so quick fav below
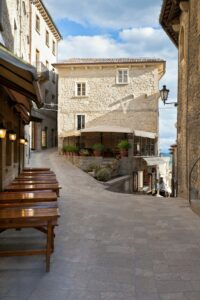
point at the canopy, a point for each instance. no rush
(102, 128)
(153, 161)
(19, 76)
(147, 134)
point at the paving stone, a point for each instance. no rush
(108, 246)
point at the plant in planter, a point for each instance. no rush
(98, 149)
(84, 152)
(64, 149)
(74, 150)
(123, 146)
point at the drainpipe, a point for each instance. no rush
(30, 31)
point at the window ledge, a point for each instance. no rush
(81, 97)
(122, 83)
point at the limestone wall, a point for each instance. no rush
(133, 105)
(188, 131)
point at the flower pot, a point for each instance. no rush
(97, 153)
(124, 152)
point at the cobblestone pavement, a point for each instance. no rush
(108, 246)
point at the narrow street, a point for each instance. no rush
(108, 246)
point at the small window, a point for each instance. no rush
(24, 7)
(81, 89)
(44, 138)
(47, 64)
(53, 98)
(53, 75)
(122, 76)
(8, 151)
(37, 23)
(37, 58)
(54, 48)
(47, 38)
(46, 95)
(80, 122)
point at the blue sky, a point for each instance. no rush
(119, 28)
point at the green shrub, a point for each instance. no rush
(124, 144)
(74, 149)
(64, 149)
(93, 167)
(98, 147)
(103, 174)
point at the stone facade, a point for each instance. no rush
(184, 30)
(19, 34)
(133, 105)
(11, 153)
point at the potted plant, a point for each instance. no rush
(123, 146)
(98, 149)
(64, 149)
(84, 152)
(74, 150)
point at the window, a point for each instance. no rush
(122, 76)
(54, 48)
(80, 122)
(24, 7)
(47, 64)
(47, 38)
(53, 98)
(53, 75)
(46, 95)
(37, 58)
(81, 89)
(44, 138)
(8, 151)
(37, 23)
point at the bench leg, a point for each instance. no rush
(49, 245)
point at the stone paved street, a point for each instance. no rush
(108, 246)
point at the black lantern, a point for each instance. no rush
(164, 94)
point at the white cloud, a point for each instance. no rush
(105, 13)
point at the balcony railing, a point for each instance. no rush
(42, 71)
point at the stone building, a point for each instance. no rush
(107, 100)
(181, 21)
(28, 30)
(19, 88)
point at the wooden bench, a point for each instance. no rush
(28, 178)
(36, 169)
(34, 187)
(26, 197)
(12, 218)
(47, 173)
(34, 181)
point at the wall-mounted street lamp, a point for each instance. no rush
(164, 92)
(22, 141)
(12, 135)
(2, 131)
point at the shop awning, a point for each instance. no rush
(147, 134)
(101, 128)
(21, 103)
(19, 76)
(70, 133)
(153, 161)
